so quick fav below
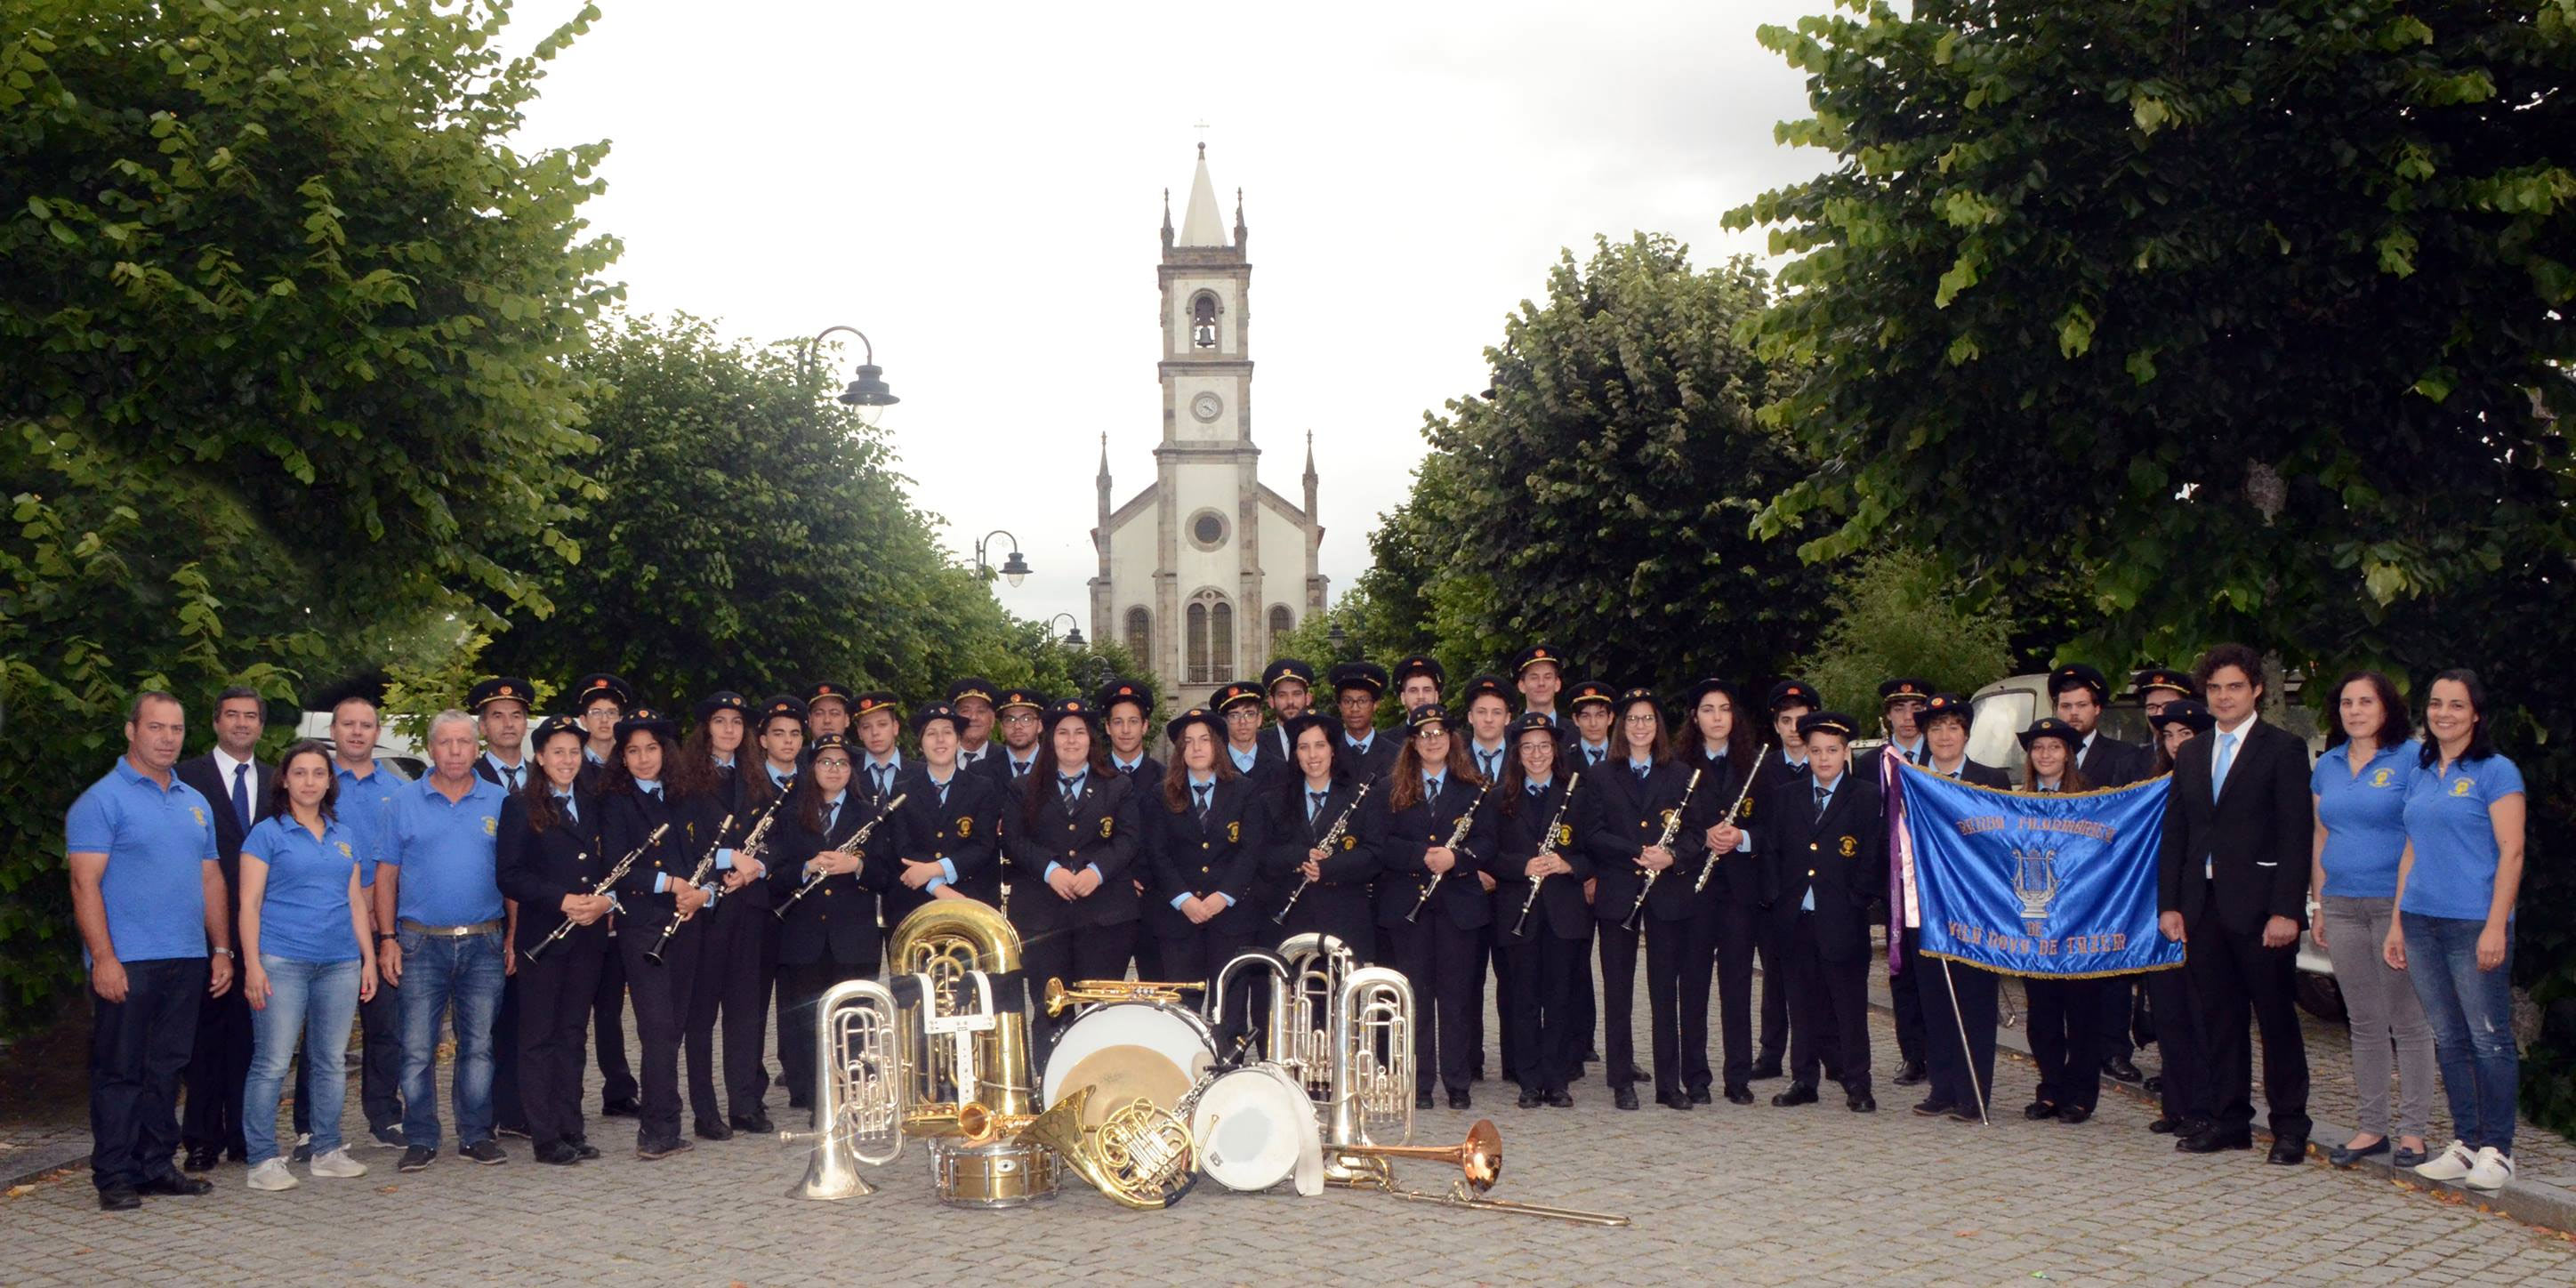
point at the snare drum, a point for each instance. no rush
(1255, 1128)
(1000, 1174)
(1127, 1050)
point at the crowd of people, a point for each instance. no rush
(533, 890)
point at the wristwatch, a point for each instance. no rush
(225, 951)
(382, 936)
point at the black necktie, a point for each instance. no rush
(1537, 792)
(1639, 771)
(1591, 757)
(1202, 794)
(1065, 784)
(831, 818)
(884, 775)
(509, 778)
(564, 799)
(1314, 805)
(1018, 771)
(1822, 796)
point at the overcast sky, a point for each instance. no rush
(979, 188)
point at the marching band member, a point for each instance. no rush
(1430, 789)
(500, 707)
(599, 699)
(1725, 911)
(781, 739)
(549, 858)
(732, 983)
(2066, 1014)
(1538, 671)
(2159, 685)
(1125, 707)
(1823, 839)
(827, 710)
(1958, 999)
(602, 700)
(1238, 709)
(1589, 745)
(950, 822)
(1489, 714)
(1418, 681)
(1070, 840)
(1626, 799)
(1289, 686)
(1332, 886)
(1789, 702)
(1357, 689)
(2181, 1084)
(1202, 847)
(829, 932)
(644, 791)
(1021, 715)
(1546, 954)
(877, 721)
(972, 698)
(1901, 702)
(2081, 694)
(2177, 721)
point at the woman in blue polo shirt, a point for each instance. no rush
(307, 959)
(2352, 874)
(2455, 893)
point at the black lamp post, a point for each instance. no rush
(1340, 640)
(870, 389)
(1014, 569)
(1072, 630)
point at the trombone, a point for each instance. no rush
(1479, 1160)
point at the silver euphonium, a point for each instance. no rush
(1317, 965)
(1372, 1073)
(861, 1068)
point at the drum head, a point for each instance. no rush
(1127, 1050)
(1251, 1128)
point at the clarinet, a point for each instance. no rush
(606, 884)
(1330, 835)
(705, 866)
(1456, 834)
(1710, 864)
(1546, 839)
(850, 846)
(1672, 828)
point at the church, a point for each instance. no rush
(1201, 570)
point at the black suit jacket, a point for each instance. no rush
(964, 830)
(1338, 902)
(1738, 879)
(1410, 834)
(537, 869)
(1842, 856)
(200, 772)
(996, 766)
(1218, 855)
(528, 772)
(1361, 768)
(1101, 828)
(2255, 837)
(1621, 818)
(1983, 775)
(2110, 762)
(1520, 833)
(836, 921)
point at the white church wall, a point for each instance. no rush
(1229, 300)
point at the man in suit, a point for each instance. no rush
(233, 780)
(1357, 749)
(1125, 708)
(1958, 1000)
(1789, 702)
(2232, 886)
(2080, 694)
(1289, 686)
(500, 707)
(1901, 702)
(1823, 840)
(1018, 713)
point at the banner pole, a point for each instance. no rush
(1965, 1057)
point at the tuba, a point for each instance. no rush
(1141, 1155)
(1372, 1073)
(971, 1089)
(1278, 1039)
(1317, 965)
(861, 1068)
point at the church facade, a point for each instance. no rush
(1201, 570)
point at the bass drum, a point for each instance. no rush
(1255, 1127)
(1127, 1050)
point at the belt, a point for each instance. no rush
(449, 932)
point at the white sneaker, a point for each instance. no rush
(2452, 1164)
(272, 1175)
(2492, 1170)
(337, 1163)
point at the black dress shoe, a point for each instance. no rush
(1560, 1100)
(756, 1123)
(1624, 1097)
(1636, 1074)
(1861, 1102)
(177, 1185)
(627, 1108)
(1591, 1055)
(710, 1129)
(2347, 1156)
(2165, 1126)
(661, 1148)
(1529, 1099)
(2155, 1083)
(1674, 1100)
(119, 1198)
(2210, 1140)
(1764, 1069)
(518, 1130)
(1965, 1114)
(1459, 1099)
(1739, 1094)
(1799, 1093)
(2073, 1113)
(201, 1160)
(800, 1102)
(585, 1149)
(1931, 1108)
(558, 1153)
(2039, 1109)
(1910, 1074)
(1700, 1096)
(1422, 1100)
(2119, 1069)
(2288, 1151)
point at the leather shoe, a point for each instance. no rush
(2346, 1155)
(1700, 1096)
(627, 1108)
(1764, 1069)
(585, 1149)
(2073, 1113)
(1422, 1100)
(558, 1153)
(201, 1160)
(756, 1123)
(1624, 1097)
(1799, 1093)
(1673, 1100)
(2119, 1068)
(1459, 1099)
(1861, 1102)
(710, 1129)
(1529, 1099)
(1964, 1114)
(1931, 1108)
(119, 1198)
(2154, 1084)
(175, 1184)
(1910, 1074)
(1560, 1100)
(2166, 1126)
(2288, 1151)
(2039, 1109)
(1739, 1094)
(2210, 1140)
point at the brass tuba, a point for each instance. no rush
(979, 1078)
(861, 1068)
(1372, 1073)
(1141, 1156)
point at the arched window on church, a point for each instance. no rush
(1140, 635)
(1203, 321)
(1280, 624)
(1211, 638)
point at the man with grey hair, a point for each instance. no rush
(435, 885)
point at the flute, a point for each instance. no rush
(1546, 840)
(705, 866)
(850, 846)
(1672, 828)
(606, 884)
(1332, 834)
(1456, 834)
(1710, 863)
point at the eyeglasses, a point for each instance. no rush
(833, 763)
(1642, 718)
(1019, 718)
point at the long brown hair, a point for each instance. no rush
(694, 772)
(1176, 778)
(2072, 780)
(1408, 772)
(1040, 784)
(538, 793)
(621, 779)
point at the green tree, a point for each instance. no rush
(2247, 318)
(284, 324)
(1599, 495)
(1896, 613)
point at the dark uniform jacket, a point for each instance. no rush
(996, 765)
(1101, 828)
(201, 773)
(836, 921)
(539, 868)
(2254, 837)
(1738, 880)
(1377, 763)
(1337, 903)
(2112, 763)
(1520, 833)
(1410, 834)
(1983, 775)
(1266, 768)
(1623, 816)
(1221, 854)
(1842, 856)
(964, 829)
(629, 817)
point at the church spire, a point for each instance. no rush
(1167, 219)
(1199, 226)
(1242, 235)
(1310, 476)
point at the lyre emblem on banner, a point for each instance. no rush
(2035, 880)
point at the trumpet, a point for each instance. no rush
(1709, 864)
(1456, 834)
(1547, 840)
(1095, 992)
(1331, 835)
(1479, 1160)
(850, 846)
(1672, 828)
(606, 884)
(705, 866)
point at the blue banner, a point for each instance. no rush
(2031, 883)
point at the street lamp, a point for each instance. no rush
(869, 392)
(1014, 569)
(1339, 639)
(1072, 630)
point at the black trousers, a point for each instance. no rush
(2181, 1052)
(801, 986)
(1541, 975)
(1587, 1010)
(555, 993)
(1151, 963)
(1199, 955)
(380, 1067)
(1962, 1075)
(1669, 1029)
(731, 990)
(218, 1065)
(608, 1025)
(508, 1109)
(2233, 974)
(138, 1050)
(2111, 1032)
(1070, 953)
(1618, 1001)
(1770, 947)
(1484, 968)
(1719, 953)
(1829, 1007)
(2065, 1016)
(661, 997)
(1903, 996)
(1439, 960)
(1506, 1035)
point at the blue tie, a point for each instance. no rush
(1065, 784)
(570, 810)
(2226, 758)
(1640, 771)
(1314, 805)
(1202, 794)
(241, 795)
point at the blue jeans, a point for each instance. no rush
(438, 970)
(2471, 1011)
(314, 1001)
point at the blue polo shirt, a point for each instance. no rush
(445, 852)
(2364, 818)
(2455, 845)
(304, 914)
(366, 806)
(155, 839)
